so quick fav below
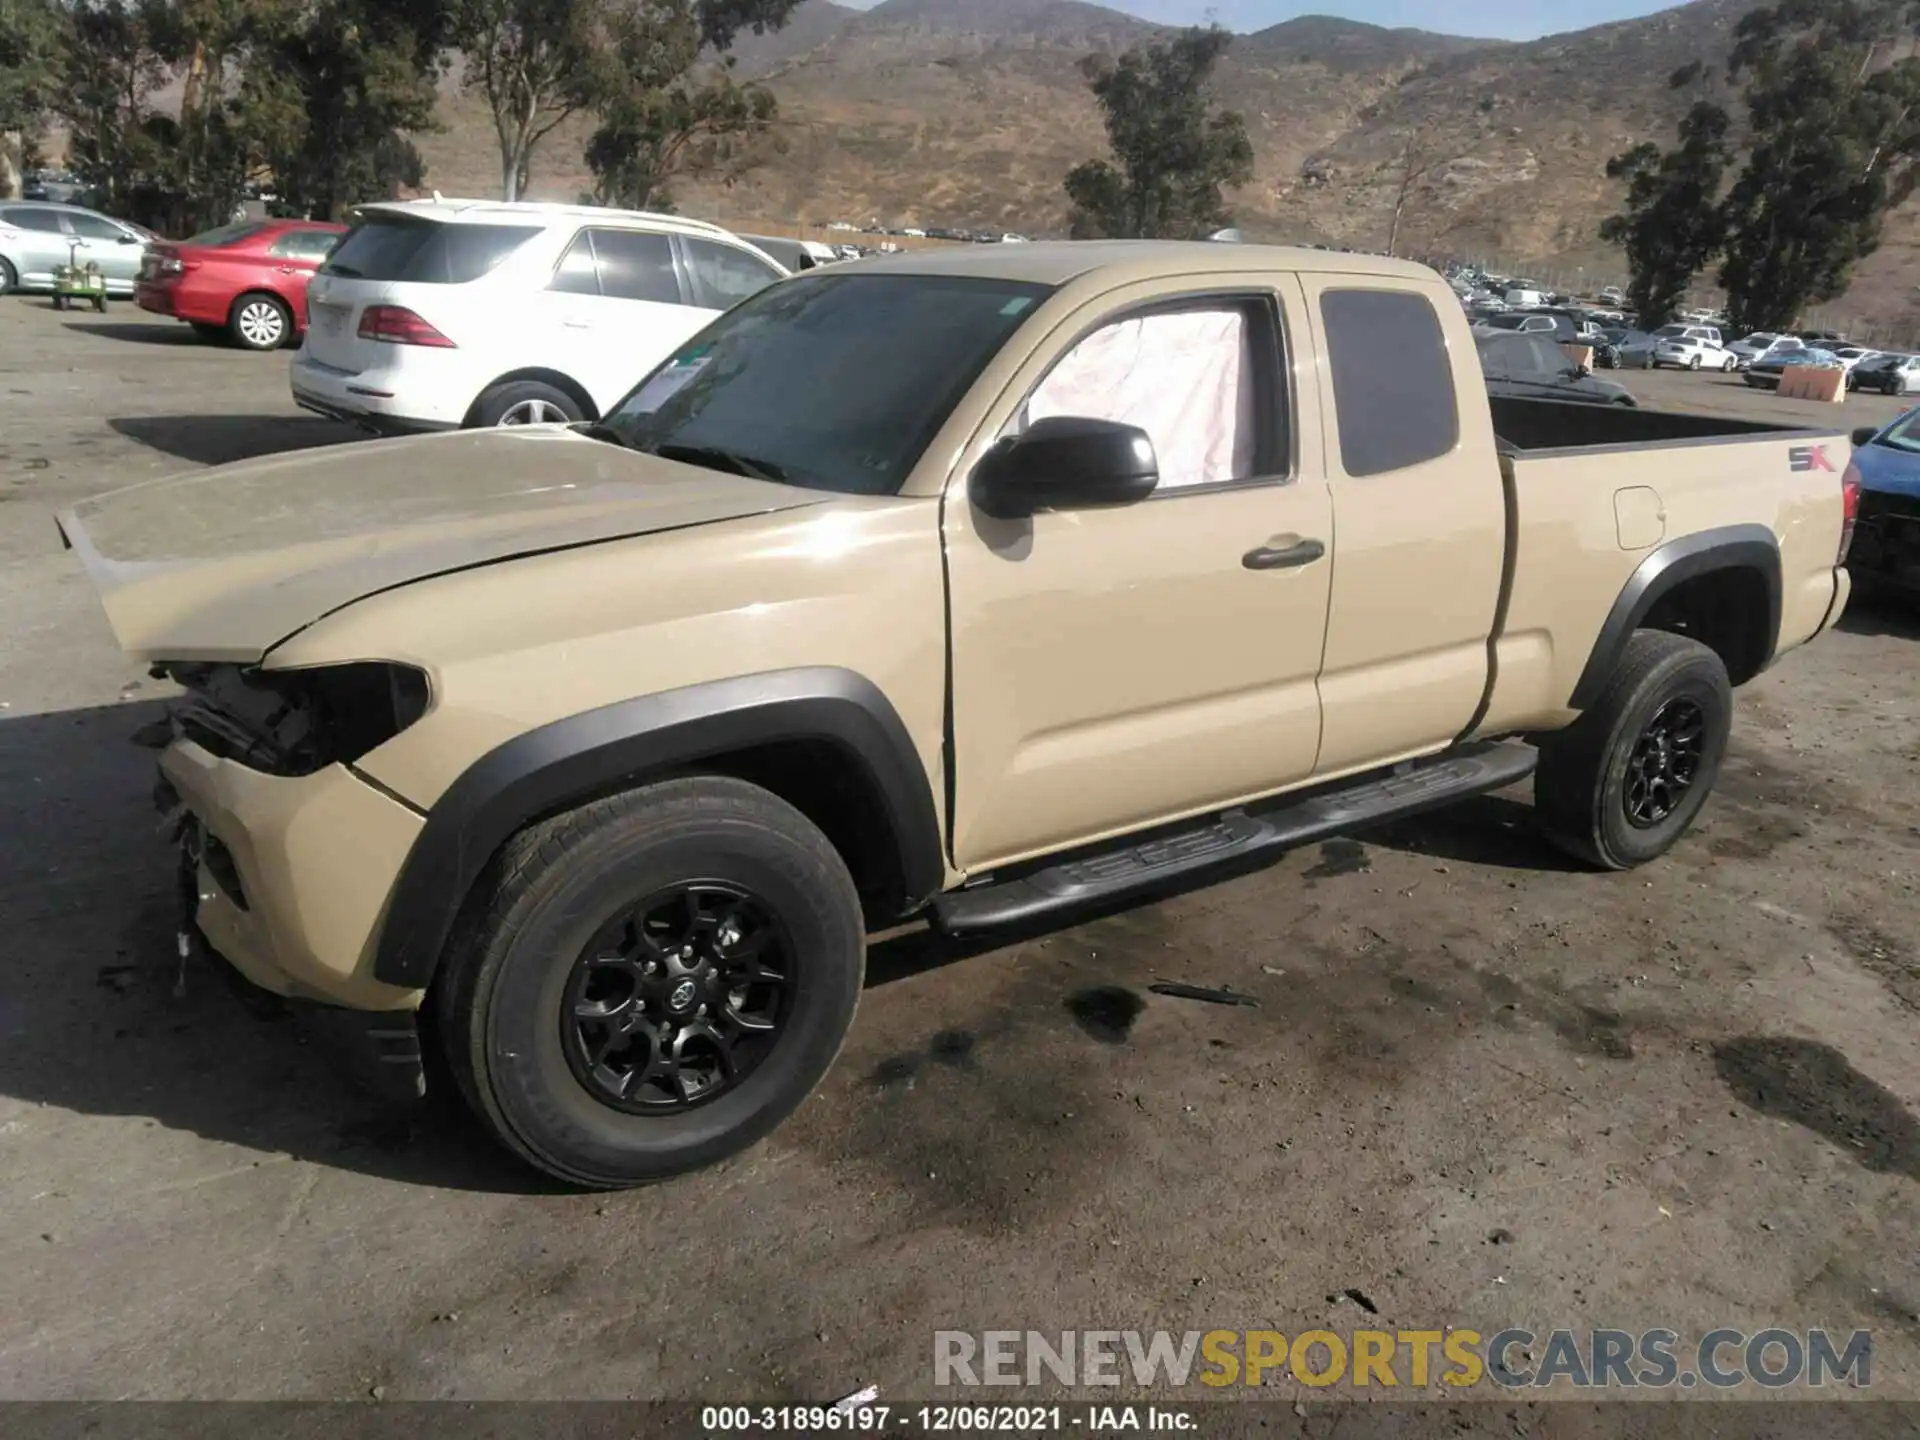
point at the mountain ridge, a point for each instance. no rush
(971, 112)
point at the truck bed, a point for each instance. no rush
(1536, 426)
(1595, 491)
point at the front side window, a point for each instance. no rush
(1188, 377)
(832, 381)
(94, 227)
(1392, 379)
(424, 252)
(724, 275)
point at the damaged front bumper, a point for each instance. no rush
(286, 877)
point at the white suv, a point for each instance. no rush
(441, 314)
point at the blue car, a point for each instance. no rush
(1886, 536)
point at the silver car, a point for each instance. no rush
(36, 237)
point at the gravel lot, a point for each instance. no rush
(1481, 1088)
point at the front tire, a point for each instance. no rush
(9, 277)
(1729, 364)
(658, 980)
(526, 402)
(1622, 784)
(260, 322)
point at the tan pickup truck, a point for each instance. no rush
(976, 584)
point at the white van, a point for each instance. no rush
(1525, 299)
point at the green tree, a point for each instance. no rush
(1673, 223)
(1173, 152)
(1833, 110)
(108, 65)
(29, 54)
(342, 88)
(536, 63)
(668, 101)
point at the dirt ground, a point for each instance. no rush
(1481, 1088)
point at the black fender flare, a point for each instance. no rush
(570, 761)
(1728, 547)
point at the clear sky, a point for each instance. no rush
(1501, 19)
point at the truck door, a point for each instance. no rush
(1114, 667)
(1419, 509)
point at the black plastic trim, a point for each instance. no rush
(1140, 862)
(573, 760)
(1728, 547)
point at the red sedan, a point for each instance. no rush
(246, 281)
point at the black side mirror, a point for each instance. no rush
(1864, 435)
(1065, 462)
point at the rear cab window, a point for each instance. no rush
(424, 252)
(1393, 392)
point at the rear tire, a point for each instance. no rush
(1693, 362)
(260, 322)
(527, 402)
(9, 277)
(575, 1080)
(1623, 783)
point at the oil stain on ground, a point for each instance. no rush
(1340, 857)
(1106, 1012)
(1816, 1086)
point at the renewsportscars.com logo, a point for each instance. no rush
(1414, 1359)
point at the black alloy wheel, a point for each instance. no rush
(673, 1003)
(1664, 762)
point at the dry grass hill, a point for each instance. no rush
(969, 112)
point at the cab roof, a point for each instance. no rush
(1056, 262)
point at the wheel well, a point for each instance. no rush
(564, 383)
(246, 295)
(833, 790)
(1726, 610)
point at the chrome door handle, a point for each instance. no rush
(1286, 557)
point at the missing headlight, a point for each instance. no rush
(295, 722)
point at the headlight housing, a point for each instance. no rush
(295, 722)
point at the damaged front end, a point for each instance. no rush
(292, 722)
(261, 727)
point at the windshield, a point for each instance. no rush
(1903, 435)
(834, 382)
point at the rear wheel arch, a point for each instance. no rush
(560, 381)
(1720, 587)
(825, 740)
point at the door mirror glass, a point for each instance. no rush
(1065, 462)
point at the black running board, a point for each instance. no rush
(1281, 825)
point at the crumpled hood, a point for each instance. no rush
(223, 564)
(1888, 471)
